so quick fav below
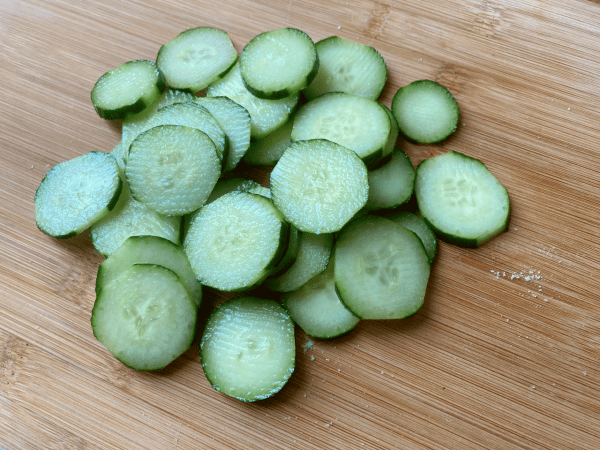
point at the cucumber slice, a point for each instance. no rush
(461, 200)
(417, 225)
(131, 218)
(77, 193)
(196, 58)
(268, 150)
(317, 308)
(394, 132)
(234, 243)
(319, 185)
(313, 256)
(426, 111)
(357, 123)
(120, 154)
(350, 67)
(172, 169)
(291, 252)
(279, 63)
(265, 115)
(234, 119)
(392, 184)
(128, 89)
(149, 250)
(145, 318)
(135, 124)
(191, 114)
(248, 349)
(381, 269)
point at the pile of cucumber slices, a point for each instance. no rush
(330, 234)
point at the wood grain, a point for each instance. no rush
(504, 354)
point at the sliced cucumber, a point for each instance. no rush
(265, 115)
(313, 256)
(317, 308)
(350, 67)
(461, 200)
(196, 58)
(248, 349)
(417, 225)
(357, 123)
(128, 89)
(120, 154)
(279, 63)
(145, 318)
(234, 119)
(135, 124)
(131, 218)
(381, 269)
(172, 169)
(394, 132)
(192, 114)
(234, 243)
(426, 111)
(319, 185)
(268, 150)
(77, 193)
(149, 250)
(291, 251)
(392, 184)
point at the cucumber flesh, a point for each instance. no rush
(347, 66)
(426, 111)
(131, 218)
(145, 318)
(381, 269)
(248, 349)
(279, 63)
(196, 58)
(128, 89)
(149, 250)
(461, 200)
(417, 225)
(317, 308)
(319, 185)
(268, 150)
(392, 184)
(77, 193)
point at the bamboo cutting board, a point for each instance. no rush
(504, 354)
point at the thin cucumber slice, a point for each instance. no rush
(317, 308)
(192, 114)
(355, 122)
(135, 124)
(172, 169)
(149, 250)
(248, 349)
(392, 184)
(131, 218)
(128, 89)
(234, 119)
(265, 115)
(77, 193)
(417, 225)
(461, 200)
(319, 185)
(196, 58)
(279, 63)
(268, 150)
(394, 133)
(350, 67)
(234, 243)
(291, 252)
(145, 318)
(313, 257)
(381, 269)
(426, 111)
(120, 154)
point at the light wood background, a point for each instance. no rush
(491, 361)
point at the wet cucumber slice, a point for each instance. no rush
(145, 318)
(279, 63)
(381, 269)
(248, 349)
(77, 193)
(128, 89)
(461, 200)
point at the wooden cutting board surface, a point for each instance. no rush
(504, 354)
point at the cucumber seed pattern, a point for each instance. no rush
(382, 263)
